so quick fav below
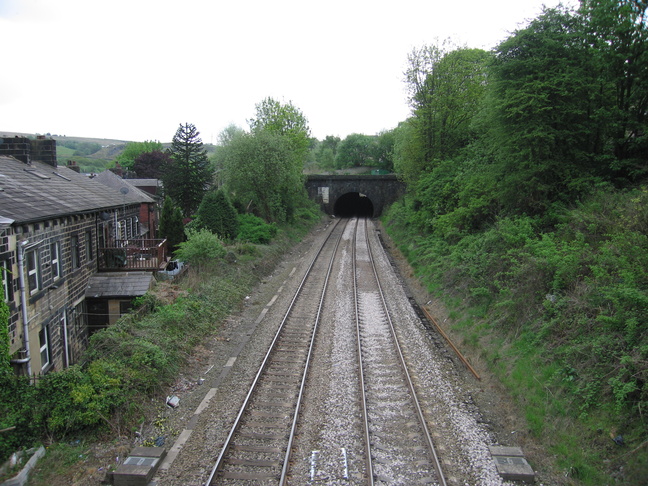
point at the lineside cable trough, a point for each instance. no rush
(511, 464)
(138, 468)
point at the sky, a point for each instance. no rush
(135, 70)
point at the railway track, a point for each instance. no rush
(397, 447)
(258, 446)
(398, 443)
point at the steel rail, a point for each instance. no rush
(361, 375)
(235, 426)
(417, 405)
(291, 436)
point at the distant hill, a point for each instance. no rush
(92, 155)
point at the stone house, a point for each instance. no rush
(58, 229)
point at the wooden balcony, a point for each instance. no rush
(133, 255)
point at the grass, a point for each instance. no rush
(528, 348)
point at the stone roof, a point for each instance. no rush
(119, 284)
(39, 191)
(129, 192)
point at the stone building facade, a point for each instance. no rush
(54, 227)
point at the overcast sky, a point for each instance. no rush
(135, 69)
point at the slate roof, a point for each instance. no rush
(130, 284)
(133, 194)
(38, 191)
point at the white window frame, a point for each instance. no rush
(75, 254)
(44, 345)
(88, 245)
(32, 256)
(5, 280)
(55, 260)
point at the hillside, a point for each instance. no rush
(91, 154)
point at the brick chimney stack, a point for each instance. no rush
(72, 165)
(42, 149)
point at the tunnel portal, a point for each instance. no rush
(353, 204)
(354, 195)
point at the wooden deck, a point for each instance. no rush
(131, 255)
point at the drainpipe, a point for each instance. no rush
(23, 307)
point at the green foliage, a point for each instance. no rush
(78, 148)
(254, 230)
(201, 248)
(133, 150)
(286, 120)
(570, 301)
(171, 226)
(217, 214)
(446, 90)
(263, 174)
(188, 174)
(326, 152)
(17, 397)
(618, 33)
(355, 151)
(5, 367)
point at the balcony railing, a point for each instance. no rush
(135, 254)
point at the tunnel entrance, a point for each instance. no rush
(353, 204)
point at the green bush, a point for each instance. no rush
(254, 230)
(573, 296)
(217, 214)
(201, 248)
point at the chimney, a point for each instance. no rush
(17, 147)
(44, 150)
(118, 170)
(72, 165)
(26, 150)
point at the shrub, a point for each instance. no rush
(217, 214)
(201, 248)
(254, 230)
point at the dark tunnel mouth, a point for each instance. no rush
(353, 204)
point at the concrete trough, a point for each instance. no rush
(511, 464)
(139, 467)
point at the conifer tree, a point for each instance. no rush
(187, 176)
(171, 226)
(217, 214)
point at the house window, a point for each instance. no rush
(55, 260)
(88, 245)
(33, 270)
(4, 265)
(74, 250)
(43, 341)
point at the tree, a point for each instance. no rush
(171, 226)
(445, 91)
(263, 174)
(134, 149)
(217, 214)
(189, 173)
(326, 151)
(283, 119)
(150, 165)
(546, 113)
(384, 150)
(617, 29)
(356, 150)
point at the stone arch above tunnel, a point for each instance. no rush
(335, 192)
